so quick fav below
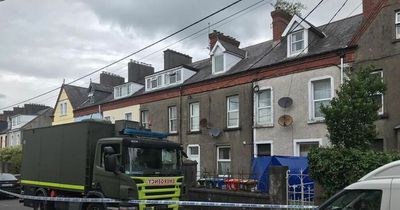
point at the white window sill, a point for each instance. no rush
(316, 121)
(267, 125)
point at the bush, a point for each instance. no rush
(334, 168)
(12, 155)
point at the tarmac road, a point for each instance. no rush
(11, 204)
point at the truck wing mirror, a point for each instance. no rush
(111, 163)
(184, 154)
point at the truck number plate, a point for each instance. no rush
(7, 185)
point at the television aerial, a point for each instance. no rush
(285, 102)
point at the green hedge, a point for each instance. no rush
(12, 155)
(335, 168)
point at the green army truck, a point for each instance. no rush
(100, 160)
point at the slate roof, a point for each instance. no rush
(76, 95)
(337, 35)
(233, 49)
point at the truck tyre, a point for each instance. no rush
(42, 205)
(95, 206)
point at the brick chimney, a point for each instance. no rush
(138, 70)
(368, 6)
(216, 35)
(280, 19)
(173, 59)
(111, 80)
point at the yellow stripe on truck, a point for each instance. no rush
(50, 184)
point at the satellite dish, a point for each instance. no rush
(203, 123)
(285, 120)
(214, 132)
(285, 102)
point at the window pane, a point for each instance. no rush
(263, 149)
(224, 168)
(233, 119)
(172, 127)
(264, 98)
(172, 78)
(172, 112)
(194, 150)
(298, 46)
(398, 17)
(154, 83)
(297, 36)
(356, 199)
(233, 103)
(322, 89)
(224, 153)
(219, 63)
(378, 98)
(306, 147)
(264, 115)
(317, 107)
(398, 31)
(178, 75)
(128, 116)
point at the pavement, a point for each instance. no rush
(12, 204)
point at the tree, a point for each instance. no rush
(291, 8)
(351, 115)
(12, 155)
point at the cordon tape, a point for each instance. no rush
(159, 202)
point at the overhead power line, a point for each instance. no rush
(127, 56)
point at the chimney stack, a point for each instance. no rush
(138, 70)
(216, 35)
(368, 6)
(173, 59)
(280, 19)
(111, 80)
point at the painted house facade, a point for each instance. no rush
(379, 45)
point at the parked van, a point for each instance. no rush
(378, 190)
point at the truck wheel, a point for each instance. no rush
(42, 205)
(95, 206)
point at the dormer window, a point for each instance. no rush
(173, 77)
(296, 42)
(297, 33)
(126, 89)
(169, 77)
(218, 61)
(225, 56)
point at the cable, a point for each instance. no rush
(123, 58)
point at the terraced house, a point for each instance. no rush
(226, 108)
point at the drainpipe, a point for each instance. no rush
(101, 114)
(180, 115)
(252, 120)
(341, 70)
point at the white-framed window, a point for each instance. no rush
(173, 77)
(63, 108)
(303, 146)
(379, 98)
(224, 160)
(397, 24)
(194, 109)
(128, 116)
(263, 107)
(263, 148)
(321, 93)
(172, 119)
(144, 119)
(297, 42)
(232, 114)
(218, 61)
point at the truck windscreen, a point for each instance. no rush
(152, 161)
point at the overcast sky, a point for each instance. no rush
(44, 42)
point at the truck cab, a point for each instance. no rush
(138, 168)
(378, 190)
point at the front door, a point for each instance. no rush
(193, 151)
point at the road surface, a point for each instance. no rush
(11, 204)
